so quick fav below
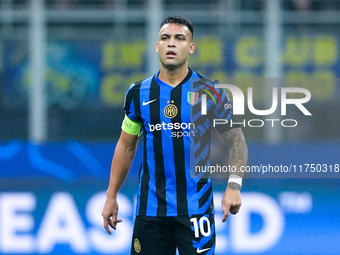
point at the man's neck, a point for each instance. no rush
(173, 77)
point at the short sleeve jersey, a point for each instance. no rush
(168, 115)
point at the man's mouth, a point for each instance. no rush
(171, 53)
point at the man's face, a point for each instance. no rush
(174, 45)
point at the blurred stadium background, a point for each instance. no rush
(65, 66)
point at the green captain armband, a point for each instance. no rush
(131, 127)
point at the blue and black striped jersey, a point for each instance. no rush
(171, 121)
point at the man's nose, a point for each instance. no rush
(171, 43)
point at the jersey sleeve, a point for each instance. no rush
(131, 103)
(224, 110)
(132, 123)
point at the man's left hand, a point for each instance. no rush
(231, 202)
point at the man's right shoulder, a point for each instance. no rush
(136, 85)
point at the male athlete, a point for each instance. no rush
(174, 210)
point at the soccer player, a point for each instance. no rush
(174, 209)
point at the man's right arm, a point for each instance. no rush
(121, 162)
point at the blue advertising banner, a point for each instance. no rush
(52, 195)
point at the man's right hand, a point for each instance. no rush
(109, 214)
(121, 163)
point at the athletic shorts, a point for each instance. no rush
(163, 235)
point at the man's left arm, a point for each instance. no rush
(238, 158)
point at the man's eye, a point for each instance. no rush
(163, 38)
(181, 38)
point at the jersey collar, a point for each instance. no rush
(160, 82)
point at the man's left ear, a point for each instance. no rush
(192, 48)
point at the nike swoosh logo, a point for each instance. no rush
(149, 102)
(203, 250)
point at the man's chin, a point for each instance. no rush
(172, 66)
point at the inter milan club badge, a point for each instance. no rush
(192, 97)
(170, 110)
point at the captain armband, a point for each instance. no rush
(131, 127)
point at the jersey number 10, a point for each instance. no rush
(201, 221)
